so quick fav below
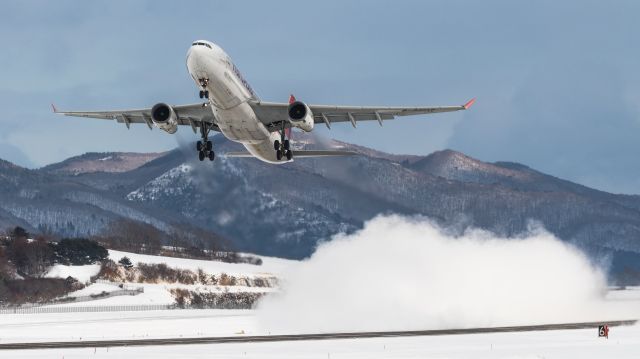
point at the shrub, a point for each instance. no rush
(226, 279)
(34, 290)
(125, 262)
(206, 299)
(154, 273)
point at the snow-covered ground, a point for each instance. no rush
(270, 265)
(624, 342)
(125, 325)
(153, 294)
(163, 323)
(81, 273)
(95, 288)
(159, 293)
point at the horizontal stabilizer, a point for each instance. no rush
(300, 154)
(311, 153)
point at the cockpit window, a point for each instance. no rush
(201, 44)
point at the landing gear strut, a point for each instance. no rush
(205, 147)
(282, 147)
(204, 93)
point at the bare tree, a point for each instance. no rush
(133, 236)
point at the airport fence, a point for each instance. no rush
(83, 309)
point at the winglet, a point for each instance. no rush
(469, 104)
(292, 99)
(53, 107)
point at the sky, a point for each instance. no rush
(557, 82)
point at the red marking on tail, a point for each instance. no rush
(292, 99)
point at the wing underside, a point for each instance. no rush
(272, 114)
(188, 115)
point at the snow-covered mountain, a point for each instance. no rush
(286, 210)
(102, 162)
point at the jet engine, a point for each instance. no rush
(164, 117)
(301, 116)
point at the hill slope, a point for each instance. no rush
(286, 210)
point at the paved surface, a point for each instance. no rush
(293, 337)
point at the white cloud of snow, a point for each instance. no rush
(407, 273)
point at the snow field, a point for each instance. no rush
(82, 273)
(159, 293)
(270, 265)
(25, 328)
(624, 343)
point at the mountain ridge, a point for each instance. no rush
(286, 210)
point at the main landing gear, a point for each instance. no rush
(204, 94)
(205, 147)
(282, 147)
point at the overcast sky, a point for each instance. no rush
(557, 82)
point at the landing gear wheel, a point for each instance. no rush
(201, 94)
(276, 145)
(204, 146)
(206, 94)
(278, 155)
(289, 155)
(286, 145)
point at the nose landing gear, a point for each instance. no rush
(205, 147)
(203, 83)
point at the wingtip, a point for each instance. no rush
(53, 107)
(469, 104)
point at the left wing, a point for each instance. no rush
(188, 115)
(271, 114)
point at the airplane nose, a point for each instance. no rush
(193, 56)
(195, 51)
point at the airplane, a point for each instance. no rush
(234, 109)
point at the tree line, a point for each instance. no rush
(24, 260)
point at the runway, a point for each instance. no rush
(301, 337)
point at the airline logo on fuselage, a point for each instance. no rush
(244, 82)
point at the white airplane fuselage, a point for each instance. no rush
(212, 70)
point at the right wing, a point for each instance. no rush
(272, 114)
(188, 115)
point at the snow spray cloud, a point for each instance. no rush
(401, 273)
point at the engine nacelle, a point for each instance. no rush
(301, 116)
(164, 117)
